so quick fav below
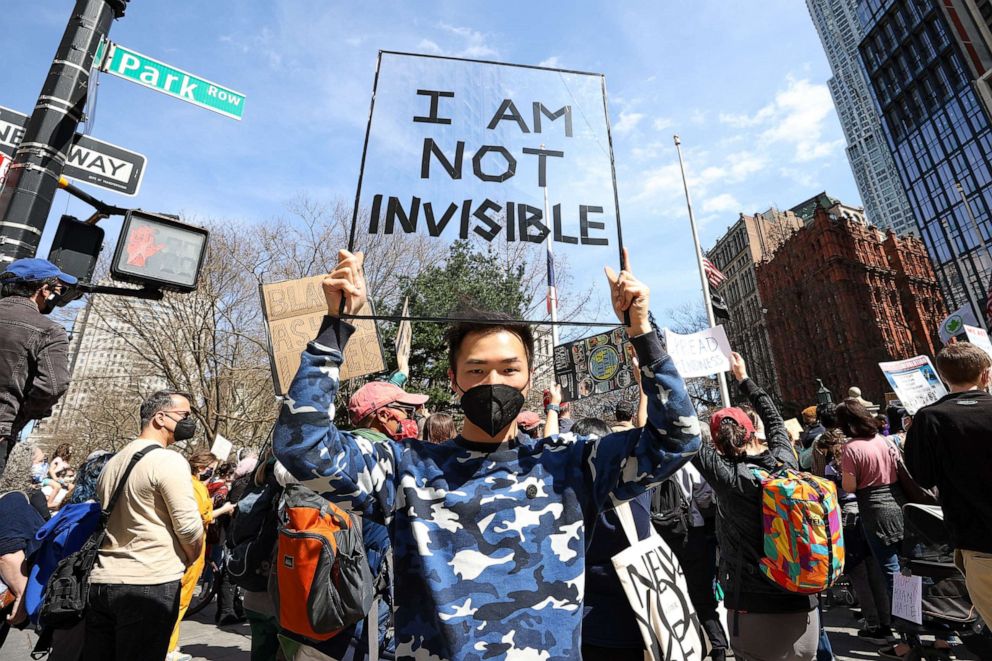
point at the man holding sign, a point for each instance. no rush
(488, 529)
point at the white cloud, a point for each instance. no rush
(724, 202)
(627, 122)
(552, 62)
(662, 123)
(474, 42)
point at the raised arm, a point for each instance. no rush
(625, 464)
(776, 435)
(342, 467)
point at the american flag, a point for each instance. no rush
(713, 274)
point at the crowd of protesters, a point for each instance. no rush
(486, 534)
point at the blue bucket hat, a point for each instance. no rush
(34, 269)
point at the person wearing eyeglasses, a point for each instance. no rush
(154, 533)
(34, 350)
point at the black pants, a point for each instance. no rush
(698, 559)
(6, 446)
(596, 653)
(130, 622)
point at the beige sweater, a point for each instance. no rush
(156, 513)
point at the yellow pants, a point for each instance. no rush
(977, 569)
(188, 584)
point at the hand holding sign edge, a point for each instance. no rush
(630, 297)
(344, 287)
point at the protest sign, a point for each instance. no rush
(979, 337)
(907, 597)
(699, 354)
(794, 427)
(915, 381)
(506, 157)
(294, 311)
(221, 448)
(596, 365)
(954, 323)
(656, 589)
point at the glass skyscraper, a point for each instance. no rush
(881, 191)
(927, 62)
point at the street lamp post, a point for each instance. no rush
(823, 396)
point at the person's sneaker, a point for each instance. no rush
(229, 619)
(889, 652)
(877, 635)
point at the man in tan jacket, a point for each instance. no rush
(154, 532)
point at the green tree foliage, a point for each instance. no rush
(467, 284)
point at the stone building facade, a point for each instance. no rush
(842, 296)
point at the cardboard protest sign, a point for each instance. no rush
(794, 427)
(596, 365)
(294, 310)
(979, 337)
(699, 354)
(915, 381)
(467, 150)
(221, 448)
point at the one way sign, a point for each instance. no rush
(90, 161)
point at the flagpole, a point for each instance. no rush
(721, 376)
(552, 284)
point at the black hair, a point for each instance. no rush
(458, 330)
(591, 426)
(624, 411)
(23, 288)
(894, 413)
(827, 415)
(158, 401)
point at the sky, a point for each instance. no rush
(742, 83)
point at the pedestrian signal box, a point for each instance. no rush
(159, 252)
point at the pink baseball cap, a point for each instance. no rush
(735, 414)
(528, 420)
(377, 394)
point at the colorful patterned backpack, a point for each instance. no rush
(803, 530)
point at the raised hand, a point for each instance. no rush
(738, 367)
(347, 281)
(630, 295)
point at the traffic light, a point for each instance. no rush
(158, 251)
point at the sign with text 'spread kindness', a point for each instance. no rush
(294, 311)
(699, 354)
(507, 157)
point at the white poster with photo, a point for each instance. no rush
(979, 337)
(915, 381)
(699, 354)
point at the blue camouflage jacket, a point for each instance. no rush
(488, 541)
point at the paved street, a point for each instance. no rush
(205, 641)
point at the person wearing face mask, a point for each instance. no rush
(385, 408)
(488, 529)
(34, 350)
(154, 532)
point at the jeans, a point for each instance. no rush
(888, 559)
(823, 650)
(130, 622)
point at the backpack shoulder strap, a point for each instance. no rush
(138, 456)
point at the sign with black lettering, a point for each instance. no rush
(90, 161)
(596, 365)
(294, 311)
(159, 251)
(509, 157)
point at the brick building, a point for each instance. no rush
(842, 296)
(750, 240)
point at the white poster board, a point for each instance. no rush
(907, 597)
(915, 381)
(953, 325)
(699, 354)
(979, 337)
(221, 448)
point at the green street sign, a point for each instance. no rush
(161, 77)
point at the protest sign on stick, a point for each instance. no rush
(596, 365)
(465, 150)
(915, 381)
(294, 311)
(699, 354)
(979, 337)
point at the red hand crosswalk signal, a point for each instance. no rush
(159, 251)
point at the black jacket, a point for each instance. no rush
(738, 520)
(34, 364)
(950, 446)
